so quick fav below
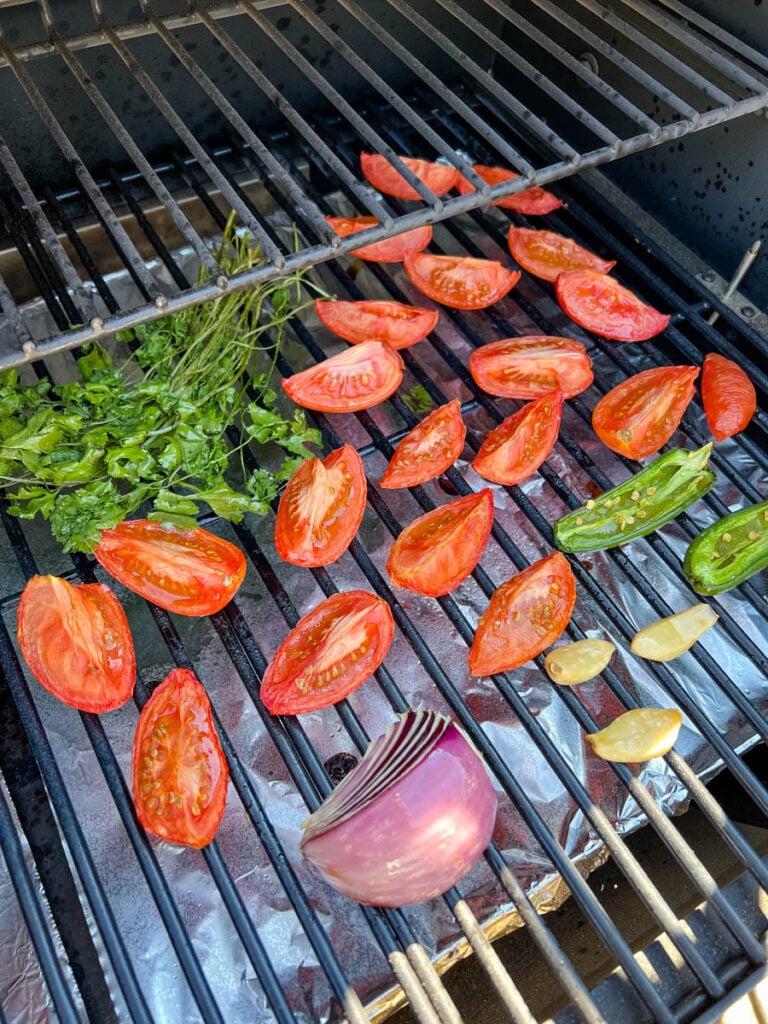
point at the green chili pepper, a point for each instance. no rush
(728, 551)
(640, 505)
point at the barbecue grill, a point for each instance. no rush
(126, 137)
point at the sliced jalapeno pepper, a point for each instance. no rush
(640, 505)
(729, 551)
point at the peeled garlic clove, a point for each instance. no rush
(579, 661)
(670, 637)
(638, 735)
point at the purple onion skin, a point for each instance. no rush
(419, 837)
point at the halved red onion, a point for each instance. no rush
(410, 820)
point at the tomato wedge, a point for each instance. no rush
(429, 449)
(638, 416)
(178, 769)
(382, 175)
(519, 445)
(728, 395)
(321, 508)
(77, 643)
(328, 654)
(546, 254)
(441, 548)
(394, 323)
(461, 282)
(531, 367)
(532, 201)
(391, 250)
(525, 615)
(600, 304)
(355, 379)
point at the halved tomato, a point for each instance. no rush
(638, 416)
(519, 445)
(441, 548)
(391, 250)
(546, 254)
(394, 323)
(190, 572)
(321, 508)
(178, 769)
(429, 449)
(77, 643)
(531, 367)
(355, 379)
(525, 615)
(461, 282)
(531, 201)
(382, 175)
(328, 654)
(600, 304)
(728, 395)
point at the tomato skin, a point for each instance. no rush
(638, 416)
(178, 770)
(600, 304)
(461, 282)
(728, 395)
(190, 572)
(393, 323)
(532, 201)
(546, 254)
(519, 445)
(77, 643)
(321, 509)
(531, 367)
(358, 378)
(429, 449)
(391, 250)
(382, 175)
(437, 551)
(525, 615)
(328, 654)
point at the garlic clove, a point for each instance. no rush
(674, 635)
(579, 661)
(638, 735)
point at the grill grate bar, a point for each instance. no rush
(718, 33)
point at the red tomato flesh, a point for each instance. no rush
(178, 769)
(519, 445)
(728, 395)
(429, 449)
(393, 323)
(321, 509)
(531, 201)
(546, 254)
(328, 654)
(460, 282)
(77, 643)
(382, 175)
(525, 615)
(441, 548)
(601, 305)
(355, 379)
(531, 367)
(638, 416)
(190, 572)
(391, 250)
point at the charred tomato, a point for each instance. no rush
(393, 323)
(358, 378)
(531, 367)
(531, 201)
(600, 304)
(390, 250)
(382, 175)
(429, 449)
(546, 254)
(728, 395)
(461, 282)
(519, 445)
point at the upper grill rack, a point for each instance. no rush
(190, 77)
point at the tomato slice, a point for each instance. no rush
(441, 548)
(461, 282)
(328, 654)
(190, 572)
(429, 449)
(728, 395)
(178, 769)
(600, 304)
(382, 175)
(546, 254)
(321, 508)
(394, 323)
(531, 367)
(77, 643)
(519, 445)
(525, 615)
(391, 250)
(355, 379)
(638, 416)
(532, 201)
